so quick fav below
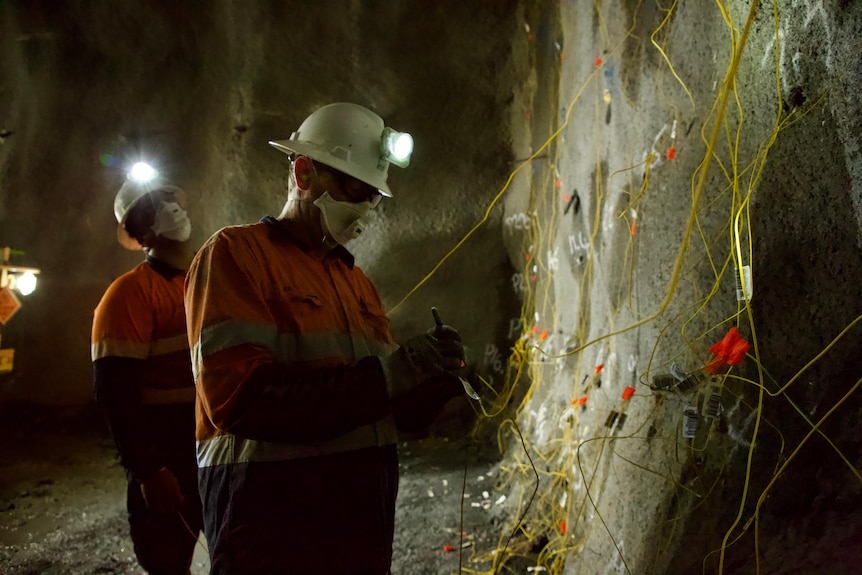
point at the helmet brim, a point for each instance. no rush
(323, 156)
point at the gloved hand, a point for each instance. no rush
(416, 409)
(443, 331)
(417, 403)
(432, 355)
(162, 492)
(468, 363)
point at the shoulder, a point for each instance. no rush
(238, 249)
(131, 282)
(235, 236)
(130, 291)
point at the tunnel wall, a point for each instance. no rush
(198, 88)
(667, 146)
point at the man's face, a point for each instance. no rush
(142, 217)
(345, 188)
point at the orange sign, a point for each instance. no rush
(6, 357)
(9, 304)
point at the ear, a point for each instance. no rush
(303, 168)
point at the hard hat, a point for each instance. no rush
(351, 139)
(130, 193)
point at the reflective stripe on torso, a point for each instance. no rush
(285, 347)
(254, 297)
(229, 449)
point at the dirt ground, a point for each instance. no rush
(62, 501)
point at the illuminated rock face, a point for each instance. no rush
(616, 214)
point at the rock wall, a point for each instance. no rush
(590, 178)
(668, 147)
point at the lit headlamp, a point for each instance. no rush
(142, 173)
(396, 147)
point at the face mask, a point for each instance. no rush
(172, 222)
(344, 221)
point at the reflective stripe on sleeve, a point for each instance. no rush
(196, 359)
(119, 348)
(228, 334)
(284, 347)
(230, 449)
(138, 350)
(168, 345)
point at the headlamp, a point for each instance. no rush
(396, 147)
(142, 173)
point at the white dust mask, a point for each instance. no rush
(344, 221)
(172, 222)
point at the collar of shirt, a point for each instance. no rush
(281, 230)
(167, 271)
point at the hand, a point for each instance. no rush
(422, 358)
(467, 366)
(162, 492)
(443, 331)
(417, 408)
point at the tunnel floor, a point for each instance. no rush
(62, 508)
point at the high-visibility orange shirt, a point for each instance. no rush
(141, 316)
(284, 350)
(142, 367)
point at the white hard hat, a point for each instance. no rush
(128, 196)
(351, 139)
